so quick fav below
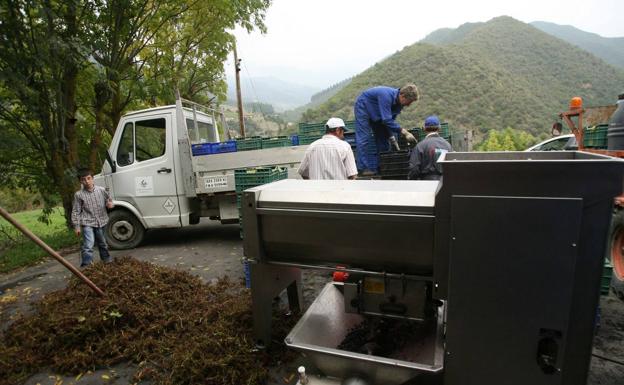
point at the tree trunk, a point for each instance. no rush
(102, 96)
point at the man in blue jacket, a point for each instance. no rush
(375, 112)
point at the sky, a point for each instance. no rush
(318, 43)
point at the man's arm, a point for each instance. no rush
(350, 166)
(108, 200)
(304, 166)
(75, 214)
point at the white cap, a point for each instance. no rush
(335, 123)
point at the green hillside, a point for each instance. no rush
(610, 49)
(503, 73)
(450, 35)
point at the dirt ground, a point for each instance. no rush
(210, 250)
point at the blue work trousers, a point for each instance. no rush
(371, 138)
(91, 236)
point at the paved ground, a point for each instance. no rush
(210, 250)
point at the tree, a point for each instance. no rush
(42, 51)
(508, 139)
(491, 143)
(69, 69)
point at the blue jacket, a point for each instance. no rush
(382, 106)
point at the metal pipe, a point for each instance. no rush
(348, 270)
(49, 250)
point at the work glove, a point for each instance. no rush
(411, 139)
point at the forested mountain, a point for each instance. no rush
(450, 35)
(498, 74)
(327, 93)
(610, 49)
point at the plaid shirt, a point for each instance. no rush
(89, 207)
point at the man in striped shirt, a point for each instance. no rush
(329, 157)
(89, 217)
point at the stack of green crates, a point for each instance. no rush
(605, 282)
(251, 143)
(595, 136)
(309, 132)
(277, 141)
(252, 177)
(311, 128)
(307, 139)
(445, 132)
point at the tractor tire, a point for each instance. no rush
(616, 253)
(123, 230)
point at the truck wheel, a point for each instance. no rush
(616, 251)
(123, 230)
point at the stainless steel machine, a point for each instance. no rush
(500, 262)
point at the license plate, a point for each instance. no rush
(215, 181)
(374, 285)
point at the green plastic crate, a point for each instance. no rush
(595, 136)
(246, 144)
(307, 139)
(311, 128)
(319, 128)
(252, 177)
(445, 131)
(277, 141)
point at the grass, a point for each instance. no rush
(16, 250)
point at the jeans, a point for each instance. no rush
(91, 235)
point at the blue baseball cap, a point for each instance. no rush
(432, 121)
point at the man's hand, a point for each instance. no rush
(77, 230)
(408, 136)
(109, 204)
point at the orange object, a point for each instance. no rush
(576, 102)
(340, 276)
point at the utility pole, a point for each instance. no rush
(241, 119)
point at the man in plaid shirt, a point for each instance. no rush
(89, 217)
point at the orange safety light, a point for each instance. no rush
(340, 276)
(576, 102)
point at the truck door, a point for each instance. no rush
(145, 175)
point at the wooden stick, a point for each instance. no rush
(49, 250)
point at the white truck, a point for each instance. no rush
(156, 182)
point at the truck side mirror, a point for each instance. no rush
(110, 161)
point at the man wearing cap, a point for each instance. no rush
(375, 112)
(329, 157)
(423, 163)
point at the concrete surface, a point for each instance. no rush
(210, 250)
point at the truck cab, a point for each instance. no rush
(156, 182)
